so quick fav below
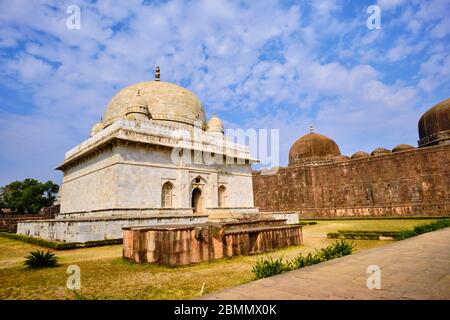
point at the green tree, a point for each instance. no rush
(28, 196)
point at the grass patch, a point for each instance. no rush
(378, 218)
(105, 275)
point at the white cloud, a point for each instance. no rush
(442, 29)
(29, 69)
(389, 4)
(403, 49)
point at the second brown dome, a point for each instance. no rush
(313, 145)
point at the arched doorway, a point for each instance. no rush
(197, 200)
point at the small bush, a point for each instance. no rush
(423, 228)
(361, 235)
(334, 235)
(304, 223)
(268, 267)
(300, 261)
(404, 234)
(40, 259)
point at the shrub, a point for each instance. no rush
(304, 223)
(405, 234)
(268, 267)
(40, 259)
(423, 228)
(57, 245)
(300, 261)
(334, 235)
(357, 235)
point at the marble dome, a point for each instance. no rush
(215, 124)
(166, 102)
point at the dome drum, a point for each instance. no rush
(140, 110)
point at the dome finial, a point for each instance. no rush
(311, 129)
(157, 74)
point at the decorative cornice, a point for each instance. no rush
(436, 137)
(145, 134)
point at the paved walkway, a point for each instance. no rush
(415, 268)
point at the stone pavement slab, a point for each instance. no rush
(415, 268)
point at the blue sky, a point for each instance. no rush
(257, 64)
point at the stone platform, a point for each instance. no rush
(175, 245)
(98, 228)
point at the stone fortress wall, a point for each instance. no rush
(407, 183)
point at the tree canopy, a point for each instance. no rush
(28, 196)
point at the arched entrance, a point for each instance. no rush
(197, 200)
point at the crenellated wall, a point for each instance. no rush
(408, 183)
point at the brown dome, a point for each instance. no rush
(402, 147)
(380, 151)
(313, 145)
(434, 125)
(360, 155)
(341, 158)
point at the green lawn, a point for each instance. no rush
(105, 275)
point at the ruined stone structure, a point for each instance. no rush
(185, 244)
(407, 181)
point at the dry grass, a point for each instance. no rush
(105, 275)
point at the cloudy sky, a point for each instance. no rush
(257, 64)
